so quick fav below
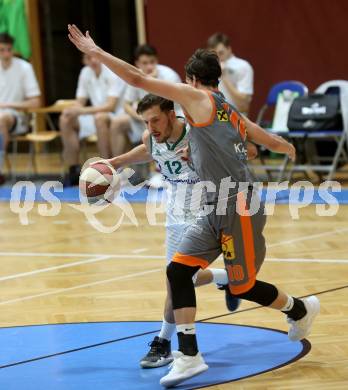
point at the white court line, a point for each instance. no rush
(41, 270)
(124, 277)
(50, 254)
(109, 257)
(105, 256)
(61, 222)
(140, 250)
(304, 238)
(323, 261)
(45, 294)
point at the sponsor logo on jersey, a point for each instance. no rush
(241, 151)
(227, 246)
(222, 115)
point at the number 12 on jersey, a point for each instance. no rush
(174, 167)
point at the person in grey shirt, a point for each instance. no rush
(217, 139)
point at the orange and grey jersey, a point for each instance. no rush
(218, 147)
(182, 205)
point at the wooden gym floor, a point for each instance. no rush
(60, 270)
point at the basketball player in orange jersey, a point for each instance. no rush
(216, 129)
(166, 136)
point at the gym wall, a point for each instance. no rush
(302, 40)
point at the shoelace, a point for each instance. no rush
(178, 361)
(155, 347)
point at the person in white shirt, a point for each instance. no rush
(237, 74)
(19, 91)
(105, 92)
(129, 128)
(237, 79)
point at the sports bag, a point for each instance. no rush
(315, 112)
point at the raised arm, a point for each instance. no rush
(137, 155)
(183, 94)
(270, 141)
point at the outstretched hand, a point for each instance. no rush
(83, 42)
(183, 153)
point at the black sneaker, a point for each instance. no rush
(71, 179)
(159, 354)
(232, 303)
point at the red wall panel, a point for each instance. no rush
(304, 40)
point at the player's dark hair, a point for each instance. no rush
(145, 49)
(217, 38)
(150, 100)
(6, 38)
(204, 64)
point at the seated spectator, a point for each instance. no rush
(19, 91)
(129, 127)
(237, 79)
(104, 90)
(237, 74)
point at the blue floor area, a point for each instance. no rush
(106, 355)
(71, 195)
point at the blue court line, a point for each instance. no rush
(71, 195)
(234, 352)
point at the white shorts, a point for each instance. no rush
(21, 125)
(136, 130)
(174, 235)
(87, 125)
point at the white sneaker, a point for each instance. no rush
(301, 328)
(182, 368)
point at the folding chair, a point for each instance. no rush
(339, 136)
(271, 101)
(37, 136)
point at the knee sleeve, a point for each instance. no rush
(262, 293)
(181, 285)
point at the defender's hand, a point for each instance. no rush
(184, 153)
(83, 42)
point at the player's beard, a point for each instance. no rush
(168, 132)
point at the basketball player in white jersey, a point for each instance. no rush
(165, 137)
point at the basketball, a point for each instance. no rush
(99, 181)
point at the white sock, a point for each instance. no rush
(186, 328)
(289, 304)
(219, 276)
(167, 330)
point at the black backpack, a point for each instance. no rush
(316, 112)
